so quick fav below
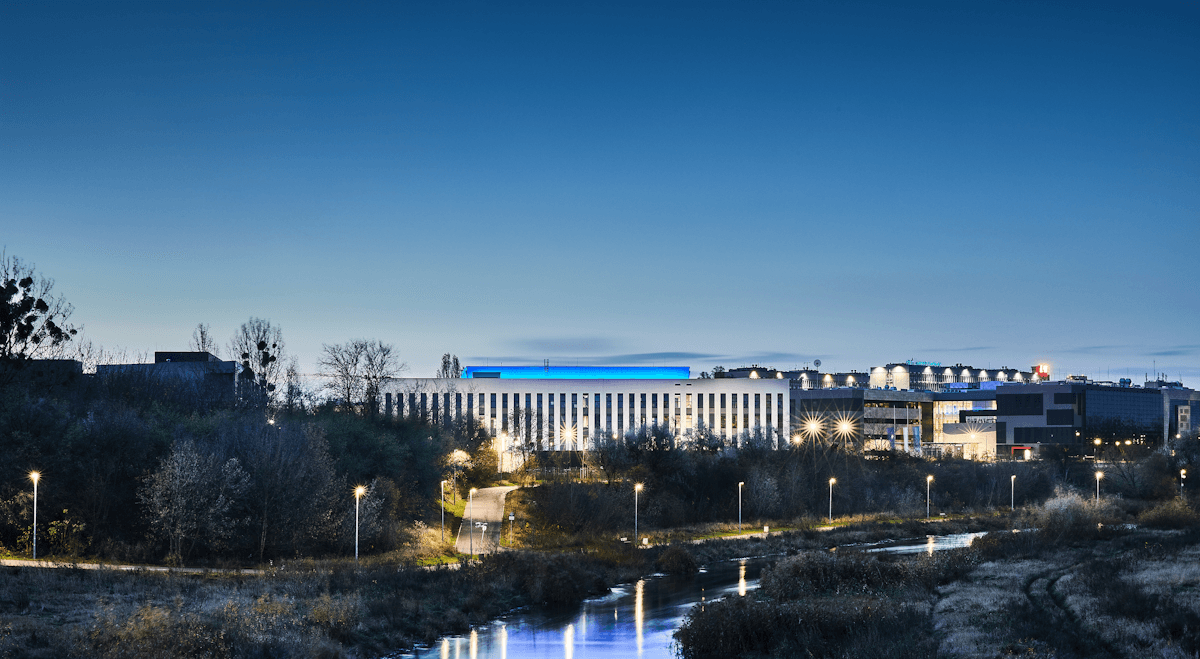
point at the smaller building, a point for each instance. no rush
(1085, 415)
(933, 376)
(193, 368)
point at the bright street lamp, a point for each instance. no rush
(358, 493)
(471, 515)
(928, 482)
(34, 476)
(741, 483)
(1012, 496)
(1182, 475)
(831, 482)
(636, 488)
(1099, 475)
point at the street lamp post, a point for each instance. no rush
(358, 493)
(831, 482)
(1012, 496)
(741, 483)
(34, 476)
(511, 518)
(636, 488)
(443, 497)
(1099, 475)
(471, 514)
(1182, 475)
(928, 482)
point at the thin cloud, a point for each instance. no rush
(571, 345)
(1177, 351)
(771, 359)
(1094, 350)
(678, 358)
(974, 349)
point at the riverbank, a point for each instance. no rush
(334, 608)
(1078, 585)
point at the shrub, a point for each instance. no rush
(1174, 514)
(842, 627)
(1069, 517)
(811, 573)
(677, 560)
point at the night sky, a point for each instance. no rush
(644, 183)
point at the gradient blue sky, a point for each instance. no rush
(694, 183)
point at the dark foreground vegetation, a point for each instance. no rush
(298, 609)
(1075, 584)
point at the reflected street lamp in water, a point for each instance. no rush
(1099, 475)
(741, 483)
(358, 493)
(636, 488)
(831, 482)
(34, 476)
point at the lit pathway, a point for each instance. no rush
(487, 507)
(9, 562)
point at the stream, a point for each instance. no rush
(633, 620)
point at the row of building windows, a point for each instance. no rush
(563, 417)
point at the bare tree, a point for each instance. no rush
(203, 341)
(260, 347)
(341, 365)
(450, 367)
(380, 364)
(32, 321)
(190, 496)
(357, 369)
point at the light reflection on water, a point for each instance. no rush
(644, 615)
(932, 543)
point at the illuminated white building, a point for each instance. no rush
(570, 408)
(933, 376)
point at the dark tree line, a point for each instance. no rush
(146, 468)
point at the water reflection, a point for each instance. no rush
(634, 620)
(644, 615)
(638, 613)
(932, 543)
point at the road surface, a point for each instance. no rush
(487, 507)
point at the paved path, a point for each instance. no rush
(488, 508)
(9, 562)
